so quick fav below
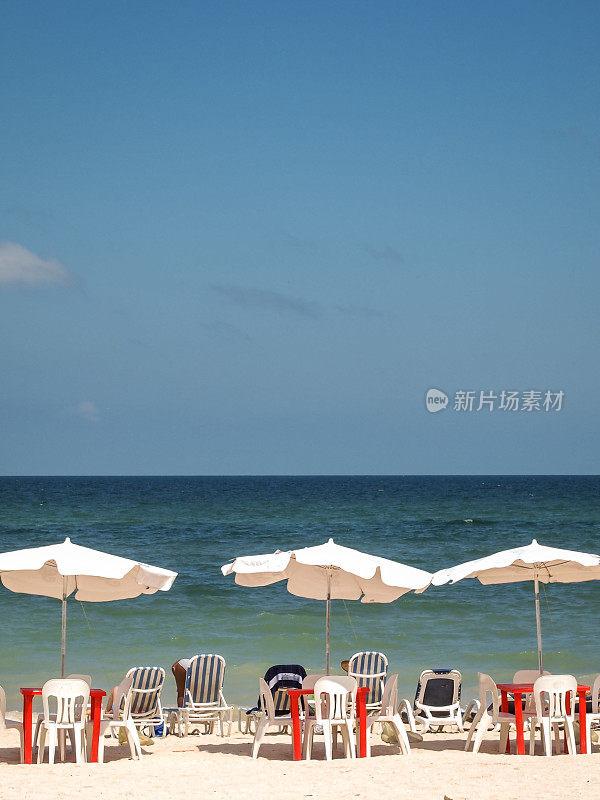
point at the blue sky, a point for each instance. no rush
(247, 238)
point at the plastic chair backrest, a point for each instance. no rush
(309, 683)
(528, 676)
(204, 678)
(266, 699)
(121, 707)
(487, 686)
(439, 687)
(87, 678)
(595, 694)
(389, 701)
(71, 699)
(551, 693)
(147, 685)
(335, 698)
(2, 707)
(369, 668)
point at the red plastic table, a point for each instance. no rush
(518, 690)
(361, 713)
(96, 696)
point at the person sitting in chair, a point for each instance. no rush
(179, 670)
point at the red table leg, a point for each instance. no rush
(27, 725)
(361, 703)
(582, 722)
(504, 707)
(519, 723)
(96, 714)
(296, 734)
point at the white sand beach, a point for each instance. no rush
(211, 766)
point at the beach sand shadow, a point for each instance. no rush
(12, 755)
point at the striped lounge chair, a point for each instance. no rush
(146, 710)
(370, 669)
(204, 703)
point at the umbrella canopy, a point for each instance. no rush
(328, 572)
(60, 570)
(533, 562)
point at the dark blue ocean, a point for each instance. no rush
(195, 524)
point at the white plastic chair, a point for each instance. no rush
(389, 713)
(555, 697)
(68, 700)
(437, 701)
(40, 718)
(10, 724)
(528, 676)
(335, 701)
(121, 719)
(308, 703)
(594, 715)
(265, 718)
(483, 718)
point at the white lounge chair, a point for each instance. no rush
(65, 704)
(370, 668)
(120, 719)
(437, 701)
(10, 724)
(146, 709)
(205, 703)
(488, 695)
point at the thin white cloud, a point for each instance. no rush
(264, 298)
(88, 410)
(19, 266)
(387, 253)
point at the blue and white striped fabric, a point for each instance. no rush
(369, 668)
(280, 678)
(146, 688)
(204, 679)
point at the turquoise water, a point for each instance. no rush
(194, 525)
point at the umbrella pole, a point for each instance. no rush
(328, 623)
(63, 637)
(538, 622)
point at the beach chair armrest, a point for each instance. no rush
(473, 707)
(406, 707)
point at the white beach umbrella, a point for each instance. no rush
(330, 572)
(533, 562)
(59, 570)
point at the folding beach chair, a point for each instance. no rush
(204, 703)
(146, 710)
(370, 669)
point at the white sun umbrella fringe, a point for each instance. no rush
(60, 570)
(329, 572)
(534, 562)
